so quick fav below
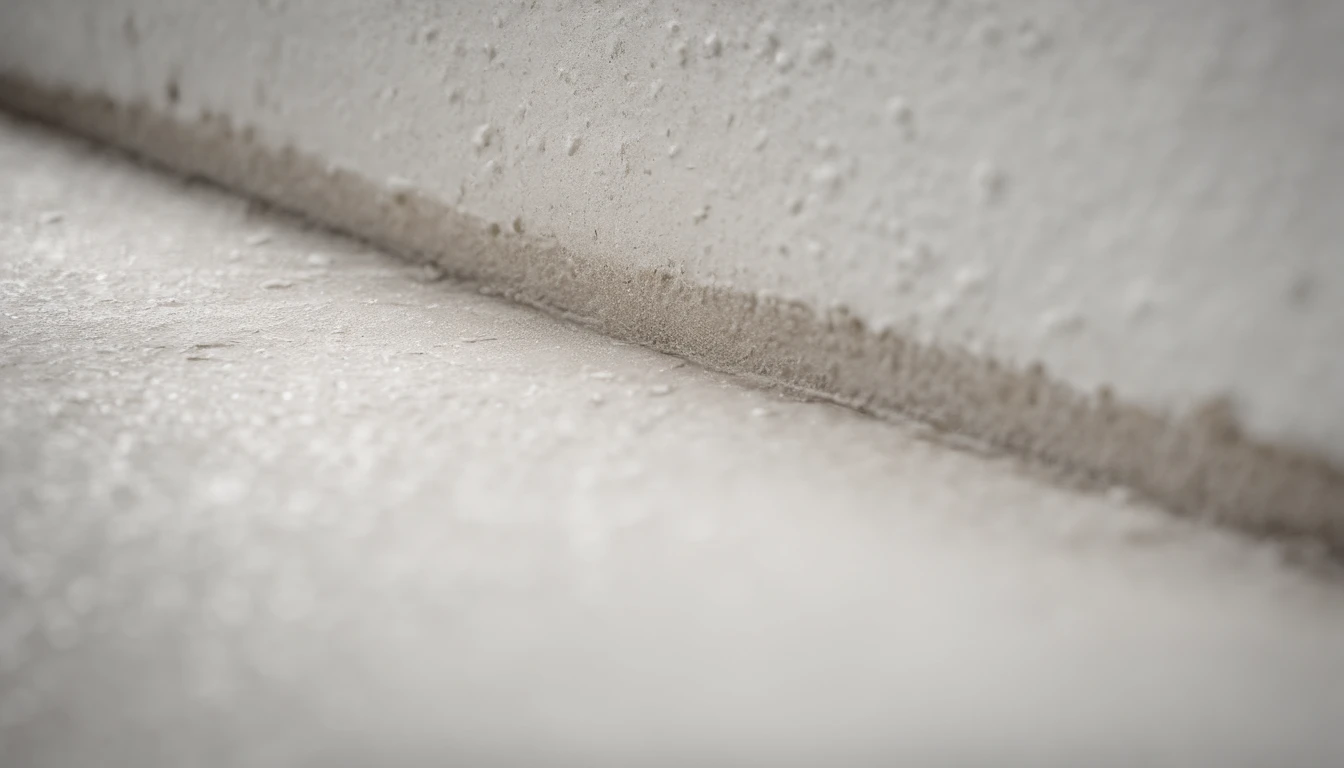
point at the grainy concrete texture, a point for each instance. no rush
(1100, 234)
(270, 498)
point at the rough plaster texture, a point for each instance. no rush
(268, 497)
(906, 206)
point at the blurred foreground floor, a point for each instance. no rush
(270, 498)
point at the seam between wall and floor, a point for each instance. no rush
(1202, 465)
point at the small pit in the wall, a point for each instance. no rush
(172, 91)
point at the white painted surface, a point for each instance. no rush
(1145, 195)
(269, 499)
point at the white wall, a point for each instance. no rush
(1147, 195)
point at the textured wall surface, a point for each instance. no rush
(1141, 198)
(1144, 195)
(268, 501)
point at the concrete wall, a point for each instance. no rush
(1145, 196)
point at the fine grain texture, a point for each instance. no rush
(1201, 465)
(269, 497)
(1139, 196)
(1102, 235)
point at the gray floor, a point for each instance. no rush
(269, 498)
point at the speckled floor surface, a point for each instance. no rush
(270, 498)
